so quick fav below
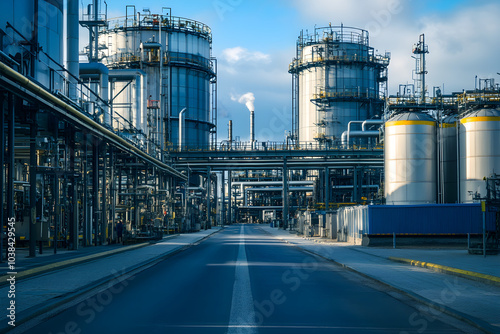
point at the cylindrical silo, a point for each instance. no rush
(479, 138)
(410, 159)
(175, 54)
(337, 79)
(40, 22)
(448, 159)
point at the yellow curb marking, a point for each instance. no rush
(70, 261)
(445, 268)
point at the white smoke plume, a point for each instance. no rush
(247, 99)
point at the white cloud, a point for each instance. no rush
(240, 54)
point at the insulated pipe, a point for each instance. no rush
(182, 132)
(103, 71)
(348, 131)
(273, 189)
(346, 135)
(371, 122)
(140, 93)
(72, 54)
(241, 185)
(74, 114)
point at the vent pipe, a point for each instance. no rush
(252, 129)
(182, 131)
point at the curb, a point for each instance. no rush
(489, 279)
(67, 263)
(34, 312)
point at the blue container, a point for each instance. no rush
(443, 219)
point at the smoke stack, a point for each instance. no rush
(252, 128)
(230, 133)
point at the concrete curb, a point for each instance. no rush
(36, 311)
(489, 279)
(66, 263)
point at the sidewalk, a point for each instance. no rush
(470, 299)
(48, 289)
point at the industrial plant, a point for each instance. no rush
(128, 133)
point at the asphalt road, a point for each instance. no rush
(242, 280)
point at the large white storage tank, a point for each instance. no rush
(479, 138)
(410, 159)
(40, 22)
(448, 159)
(175, 54)
(337, 77)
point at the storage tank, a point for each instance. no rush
(410, 159)
(448, 159)
(336, 79)
(175, 54)
(40, 22)
(479, 137)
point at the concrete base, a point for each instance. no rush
(459, 241)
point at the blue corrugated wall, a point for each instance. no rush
(428, 219)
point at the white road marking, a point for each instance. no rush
(242, 316)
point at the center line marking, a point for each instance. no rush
(242, 316)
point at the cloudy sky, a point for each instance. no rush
(254, 41)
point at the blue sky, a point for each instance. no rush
(254, 42)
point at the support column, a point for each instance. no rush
(112, 191)
(57, 210)
(104, 199)
(73, 196)
(327, 188)
(32, 180)
(10, 157)
(216, 199)
(136, 201)
(223, 207)
(209, 207)
(355, 186)
(95, 190)
(230, 195)
(85, 203)
(285, 194)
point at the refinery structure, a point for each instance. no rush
(130, 134)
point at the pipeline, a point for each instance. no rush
(92, 126)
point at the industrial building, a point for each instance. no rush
(130, 134)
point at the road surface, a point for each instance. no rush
(241, 280)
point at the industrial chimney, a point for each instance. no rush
(252, 129)
(230, 133)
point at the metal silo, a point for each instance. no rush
(336, 79)
(479, 138)
(410, 159)
(175, 55)
(448, 159)
(41, 23)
